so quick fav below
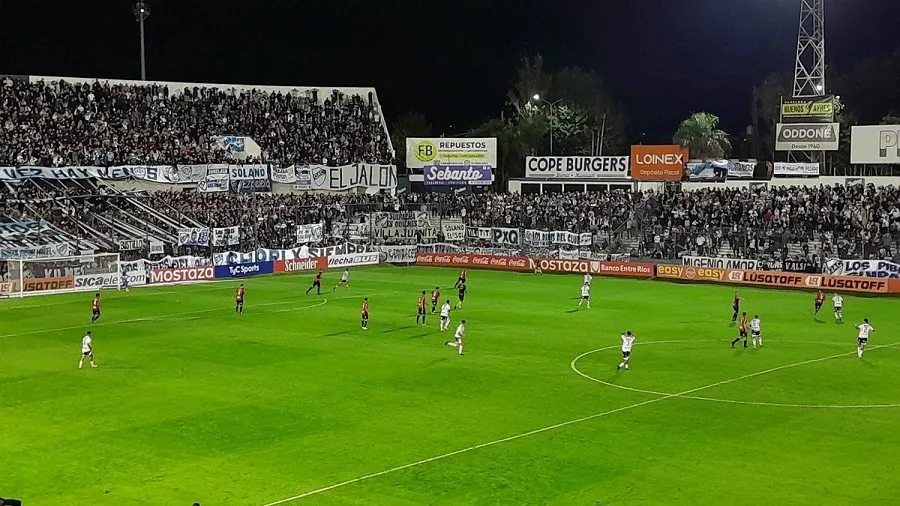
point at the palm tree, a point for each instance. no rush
(701, 135)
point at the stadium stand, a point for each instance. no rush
(55, 122)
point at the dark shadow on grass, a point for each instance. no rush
(572, 311)
(420, 336)
(335, 334)
(820, 322)
(397, 329)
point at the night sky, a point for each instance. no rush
(451, 60)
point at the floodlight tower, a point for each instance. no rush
(141, 11)
(809, 67)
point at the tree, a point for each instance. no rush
(408, 125)
(766, 111)
(700, 133)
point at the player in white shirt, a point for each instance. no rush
(345, 280)
(863, 338)
(587, 279)
(457, 341)
(585, 295)
(627, 343)
(838, 303)
(87, 350)
(756, 331)
(445, 316)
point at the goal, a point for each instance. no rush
(42, 276)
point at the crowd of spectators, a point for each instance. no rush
(781, 223)
(59, 123)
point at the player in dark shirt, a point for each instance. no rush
(462, 295)
(420, 309)
(317, 284)
(364, 314)
(239, 300)
(95, 308)
(435, 296)
(736, 307)
(461, 280)
(820, 299)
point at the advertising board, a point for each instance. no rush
(807, 136)
(244, 270)
(473, 260)
(875, 144)
(576, 167)
(182, 275)
(658, 163)
(300, 264)
(430, 152)
(807, 109)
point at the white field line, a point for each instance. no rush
(574, 367)
(174, 316)
(549, 428)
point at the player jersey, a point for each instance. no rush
(585, 290)
(588, 279)
(627, 342)
(755, 324)
(445, 310)
(820, 298)
(95, 304)
(421, 302)
(462, 274)
(318, 276)
(435, 295)
(345, 276)
(864, 330)
(462, 289)
(737, 301)
(460, 331)
(86, 342)
(239, 294)
(743, 323)
(365, 308)
(838, 301)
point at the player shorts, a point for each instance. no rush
(736, 309)
(755, 333)
(585, 297)
(444, 318)
(862, 341)
(838, 309)
(86, 353)
(317, 283)
(343, 281)
(462, 297)
(421, 310)
(96, 312)
(364, 316)
(818, 306)
(239, 300)
(626, 354)
(743, 333)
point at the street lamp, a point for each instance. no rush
(538, 98)
(141, 11)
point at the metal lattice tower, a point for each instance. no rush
(809, 68)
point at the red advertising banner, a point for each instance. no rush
(183, 275)
(45, 284)
(778, 279)
(301, 264)
(499, 263)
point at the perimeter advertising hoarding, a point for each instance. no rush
(576, 167)
(658, 163)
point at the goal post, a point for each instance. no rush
(44, 276)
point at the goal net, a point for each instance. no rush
(41, 276)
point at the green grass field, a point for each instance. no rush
(292, 401)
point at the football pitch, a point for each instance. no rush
(292, 403)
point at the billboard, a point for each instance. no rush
(658, 163)
(458, 175)
(807, 137)
(807, 109)
(719, 169)
(875, 144)
(431, 152)
(576, 167)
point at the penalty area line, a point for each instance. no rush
(547, 429)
